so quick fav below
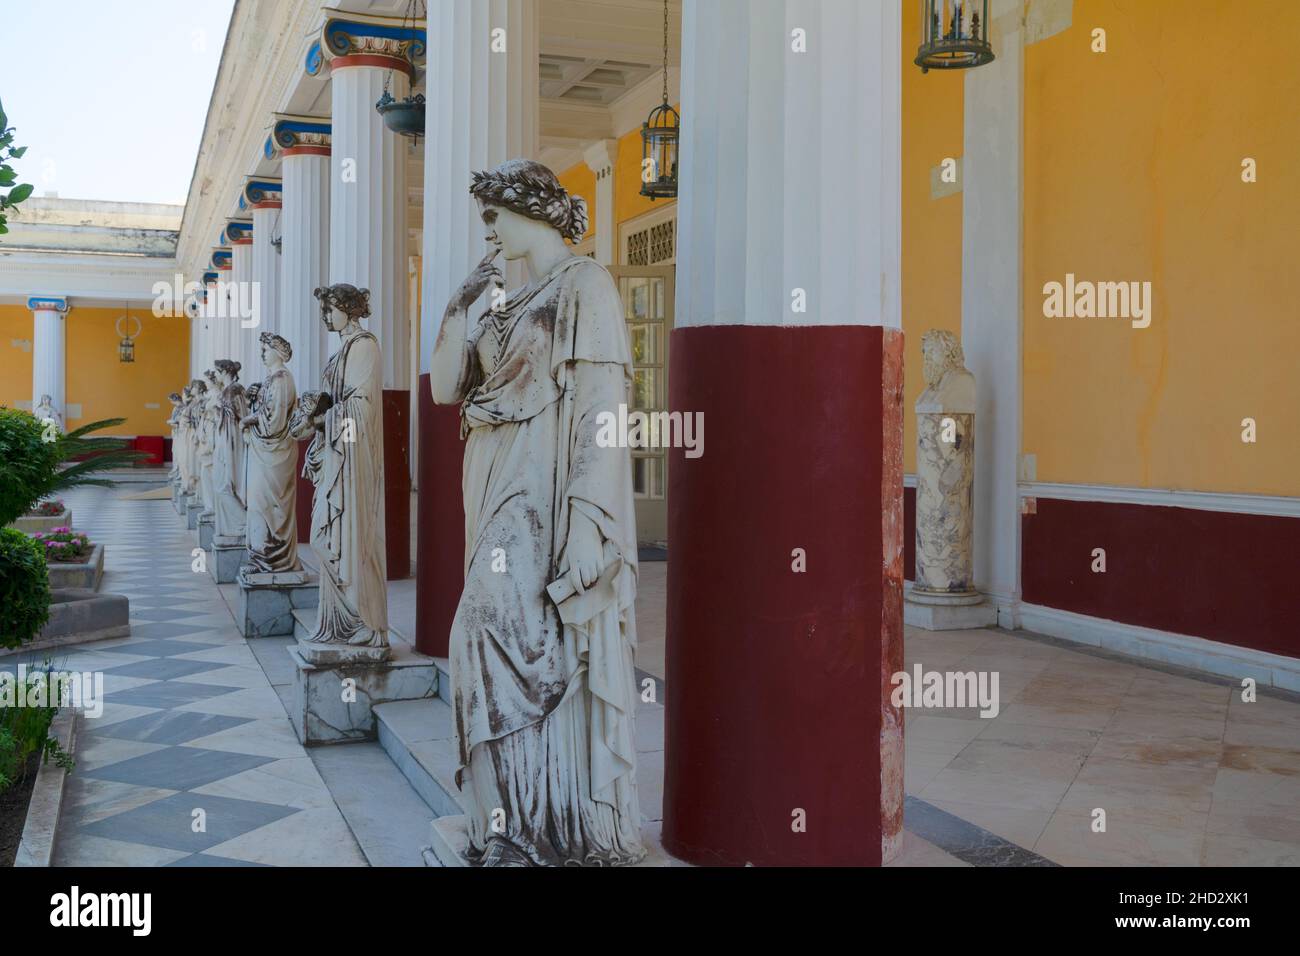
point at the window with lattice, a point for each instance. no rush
(653, 245)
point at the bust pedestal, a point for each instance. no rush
(193, 508)
(267, 600)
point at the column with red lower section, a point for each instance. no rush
(778, 680)
(785, 571)
(440, 528)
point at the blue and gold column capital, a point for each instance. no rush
(359, 39)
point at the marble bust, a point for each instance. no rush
(945, 471)
(542, 656)
(46, 412)
(228, 457)
(345, 462)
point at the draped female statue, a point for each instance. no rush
(272, 463)
(345, 462)
(228, 456)
(542, 641)
(207, 439)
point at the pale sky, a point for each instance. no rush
(110, 96)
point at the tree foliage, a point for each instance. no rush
(12, 192)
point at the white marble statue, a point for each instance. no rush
(46, 412)
(207, 440)
(345, 463)
(945, 471)
(174, 423)
(228, 457)
(272, 464)
(192, 421)
(542, 642)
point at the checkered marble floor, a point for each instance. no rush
(193, 761)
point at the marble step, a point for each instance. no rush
(304, 623)
(419, 736)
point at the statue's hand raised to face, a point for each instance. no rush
(483, 274)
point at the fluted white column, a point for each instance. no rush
(49, 350)
(266, 271)
(304, 262)
(481, 111)
(237, 337)
(368, 206)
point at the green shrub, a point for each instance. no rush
(28, 463)
(24, 588)
(26, 730)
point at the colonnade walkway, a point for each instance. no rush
(194, 761)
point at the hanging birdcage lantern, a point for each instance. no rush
(126, 347)
(954, 35)
(660, 134)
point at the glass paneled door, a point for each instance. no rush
(647, 293)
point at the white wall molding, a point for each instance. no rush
(1275, 505)
(1183, 650)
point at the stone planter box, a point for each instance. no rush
(31, 524)
(79, 574)
(78, 615)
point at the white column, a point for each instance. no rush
(482, 110)
(49, 343)
(266, 272)
(992, 201)
(368, 207)
(236, 337)
(600, 158)
(304, 263)
(791, 165)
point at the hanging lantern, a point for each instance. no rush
(954, 35)
(126, 347)
(659, 138)
(405, 117)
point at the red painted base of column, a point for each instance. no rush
(440, 530)
(778, 682)
(302, 504)
(397, 482)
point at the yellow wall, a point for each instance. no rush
(105, 387)
(15, 359)
(581, 181)
(1133, 172)
(931, 268)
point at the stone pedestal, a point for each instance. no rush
(334, 702)
(207, 529)
(193, 508)
(225, 558)
(943, 596)
(267, 601)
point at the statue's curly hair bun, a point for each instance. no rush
(530, 189)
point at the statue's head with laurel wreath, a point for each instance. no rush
(527, 189)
